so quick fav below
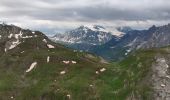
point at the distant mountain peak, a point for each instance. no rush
(152, 28)
(112, 30)
(88, 34)
(94, 28)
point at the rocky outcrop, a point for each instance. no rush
(161, 79)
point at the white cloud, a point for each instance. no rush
(59, 15)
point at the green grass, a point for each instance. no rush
(118, 82)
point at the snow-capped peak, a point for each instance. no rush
(89, 34)
(95, 28)
(115, 32)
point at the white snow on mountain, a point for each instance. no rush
(16, 40)
(111, 30)
(62, 72)
(48, 59)
(14, 44)
(89, 34)
(50, 46)
(31, 67)
(95, 28)
(102, 70)
(44, 40)
(10, 36)
(115, 32)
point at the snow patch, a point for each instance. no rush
(97, 72)
(50, 46)
(69, 96)
(12, 97)
(27, 37)
(44, 40)
(162, 85)
(14, 44)
(91, 27)
(102, 70)
(66, 62)
(5, 50)
(73, 62)
(127, 51)
(10, 36)
(62, 72)
(48, 59)
(31, 67)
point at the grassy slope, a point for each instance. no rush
(45, 80)
(119, 81)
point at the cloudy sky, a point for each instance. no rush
(52, 16)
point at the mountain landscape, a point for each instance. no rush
(84, 50)
(119, 46)
(87, 36)
(33, 67)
